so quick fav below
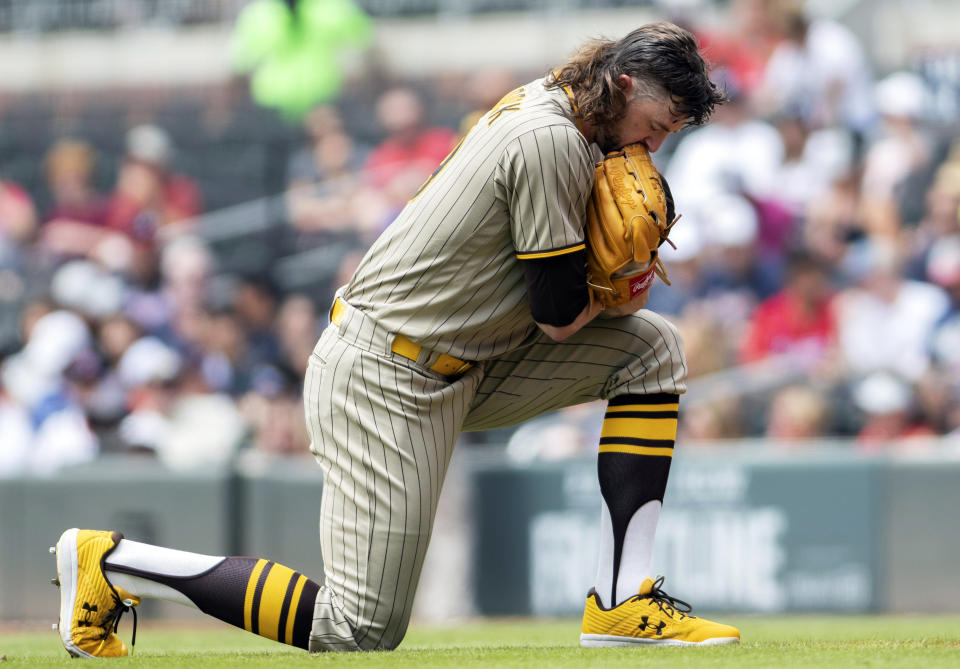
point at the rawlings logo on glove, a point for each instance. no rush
(629, 216)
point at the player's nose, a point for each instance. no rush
(654, 141)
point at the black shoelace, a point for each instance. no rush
(669, 605)
(112, 618)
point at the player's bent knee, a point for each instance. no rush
(675, 348)
(658, 352)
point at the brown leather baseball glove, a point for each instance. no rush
(629, 216)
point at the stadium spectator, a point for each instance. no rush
(943, 199)
(182, 428)
(227, 361)
(18, 258)
(332, 201)
(737, 153)
(812, 160)
(147, 370)
(74, 223)
(255, 303)
(937, 399)
(744, 44)
(273, 410)
(735, 275)
(903, 150)
(798, 321)
(17, 436)
(884, 321)
(943, 269)
(834, 220)
(48, 429)
(329, 200)
(330, 151)
(714, 420)
(104, 396)
(411, 149)
(889, 411)
(941, 214)
(684, 263)
(797, 413)
(297, 327)
(819, 67)
(173, 311)
(87, 289)
(69, 170)
(709, 348)
(148, 194)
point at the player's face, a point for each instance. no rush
(647, 121)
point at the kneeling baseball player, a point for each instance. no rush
(511, 285)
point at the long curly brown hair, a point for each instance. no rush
(662, 57)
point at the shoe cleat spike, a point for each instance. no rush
(55, 627)
(52, 550)
(55, 581)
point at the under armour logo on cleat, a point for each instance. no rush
(87, 621)
(656, 627)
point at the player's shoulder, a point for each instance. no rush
(547, 122)
(534, 109)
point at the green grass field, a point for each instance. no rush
(886, 641)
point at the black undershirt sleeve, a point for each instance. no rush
(557, 287)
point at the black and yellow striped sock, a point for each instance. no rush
(257, 595)
(636, 449)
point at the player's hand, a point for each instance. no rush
(627, 308)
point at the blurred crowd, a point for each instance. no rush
(815, 280)
(816, 275)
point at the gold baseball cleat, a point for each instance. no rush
(90, 607)
(651, 617)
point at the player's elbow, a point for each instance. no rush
(559, 333)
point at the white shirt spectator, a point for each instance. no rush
(48, 429)
(889, 334)
(828, 75)
(716, 160)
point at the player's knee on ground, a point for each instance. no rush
(384, 632)
(380, 625)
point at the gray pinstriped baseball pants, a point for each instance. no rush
(383, 429)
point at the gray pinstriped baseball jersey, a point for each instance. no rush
(445, 273)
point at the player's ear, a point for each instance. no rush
(625, 83)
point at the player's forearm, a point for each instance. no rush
(557, 293)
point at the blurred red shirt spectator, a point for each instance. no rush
(148, 195)
(797, 320)
(409, 146)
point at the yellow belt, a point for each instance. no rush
(445, 364)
